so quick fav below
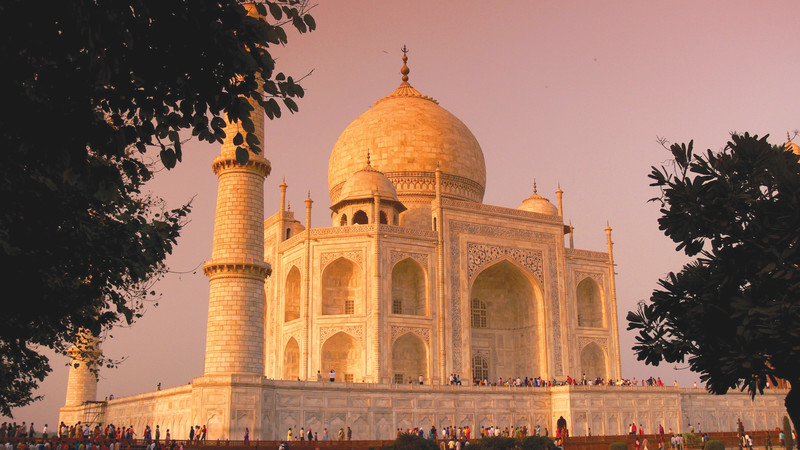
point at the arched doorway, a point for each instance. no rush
(590, 304)
(292, 295)
(360, 218)
(291, 360)
(343, 353)
(409, 359)
(506, 322)
(341, 288)
(408, 288)
(593, 361)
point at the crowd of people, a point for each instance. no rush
(91, 437)
(583, 381)
(314, 436)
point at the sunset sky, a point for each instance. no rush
(569, 92)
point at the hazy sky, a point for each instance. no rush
(575, 92)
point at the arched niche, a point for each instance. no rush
(590, 304)
(360, 218)
(512, 333)
(383, 218)
(409, 358)
(291, 308)
(593, 361)
(343, 353)
(409, 289)
(343, 220)
(341, 288)
(291, 360)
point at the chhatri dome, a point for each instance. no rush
(368, 183)
(409, 135)
(538, 204)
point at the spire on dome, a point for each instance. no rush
(405, 70)
(405, 89)
(534, 186)
(368, 163)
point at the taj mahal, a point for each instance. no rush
(413, 280)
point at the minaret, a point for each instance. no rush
(82, 382)
(613, 288)
(559, 194)
(237, 270)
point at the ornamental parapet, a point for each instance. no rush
(424, 183)
(510, 212)
(237, 268)
(586, 254)
(258, 166)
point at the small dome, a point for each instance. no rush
(365, 182)
(538, 204)
(793, 147)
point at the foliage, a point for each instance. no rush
(537, 443)
(93, 87)
(788, 438)
(414, 442)
(618, 446)
(495, 443)
(733, 310)
(693, 440)
(714, 445)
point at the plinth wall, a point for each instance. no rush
(227, 404)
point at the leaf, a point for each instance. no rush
(242, 155)
(275, 10)
(168, 157)
(290, 104)
(312, 24)
(238, 139)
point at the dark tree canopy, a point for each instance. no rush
(94, 89)
(733, 311)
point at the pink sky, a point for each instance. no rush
(570, 92)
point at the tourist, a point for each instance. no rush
(349, 434)
(289, 434)
(247, 434)
(203, 433)
(341, 432)
(310, 435)
(302, 434)
(325, 434)
(332, 375)
(319, 376)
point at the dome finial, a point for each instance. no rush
(405, 69)
(368, 163)
(534, 186)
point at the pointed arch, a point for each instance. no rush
(593, 361)
(343, 220)
(409, 288)
(409, 358)
(589, 304)
(511, 335)
(291, 360)
(343, 353)
(291, 293)
(360, 218)
(341, 288)
(383, 218)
